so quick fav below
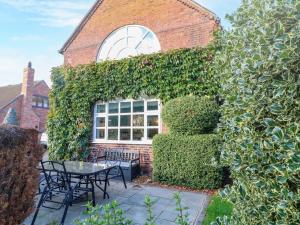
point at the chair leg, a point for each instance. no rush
(38, 207)
(105, 184)
(65, 212)
(123, 178)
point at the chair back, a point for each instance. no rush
(55, 174)
(128, 155)
(114, 154)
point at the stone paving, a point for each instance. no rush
(131, 200)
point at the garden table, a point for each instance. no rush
(89, 172)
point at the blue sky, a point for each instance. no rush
(34, 30)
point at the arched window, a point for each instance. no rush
(131, 40)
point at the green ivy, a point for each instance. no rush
(259, 68)
(75, 90)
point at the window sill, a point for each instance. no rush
(40, 107)
(123, 142)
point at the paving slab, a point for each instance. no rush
(131, 200)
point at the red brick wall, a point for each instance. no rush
(176, 25)
(35, 118)
(41, 89)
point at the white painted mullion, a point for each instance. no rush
(145, 120)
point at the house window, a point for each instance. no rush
(40, 102)
(131, 40)
(127, 121)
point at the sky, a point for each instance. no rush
(34, 30)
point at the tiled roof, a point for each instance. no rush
(10, 92)
(189, 3)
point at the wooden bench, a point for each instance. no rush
(128, 160)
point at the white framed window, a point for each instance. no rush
(127, 121)
(131, 40)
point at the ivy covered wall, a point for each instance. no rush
(162, 75)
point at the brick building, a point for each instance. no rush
(119, 29)
(29, 100)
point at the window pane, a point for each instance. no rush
(125, 134)
(138, 120)
(113, 121)
(101, 108)
(113, 107)
(125, 107)
(40, 102)
(152, 121)
(113, 135)
(138, 134)
(126, 121)
(151, 133)
(100, 134)
(34, 101)
(46, 102)
(100, 122)
(138, 106)
(151, 106)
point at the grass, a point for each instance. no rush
(218, 207)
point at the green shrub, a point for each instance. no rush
(259, 68)
(187, 160)
(191, 115)
(218, 207)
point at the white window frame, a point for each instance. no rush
(122, 33)
(146, 113)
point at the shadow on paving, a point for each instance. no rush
(131, 200)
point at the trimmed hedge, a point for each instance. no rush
(191, 115)
(20, 154)
(187, 160)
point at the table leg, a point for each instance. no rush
(93, 190)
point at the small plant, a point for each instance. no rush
(183, 216)
(109, 214)
(218, 207)
(149, 204)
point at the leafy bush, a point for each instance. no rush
(218, 207)
(259, 67)
(191, 115)
(187, 160)
(76, 90)
(19, 178)
(112, 214)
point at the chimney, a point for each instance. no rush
(28, 118)
(28, 83)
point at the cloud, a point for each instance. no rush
(54, 13)
(28, 37)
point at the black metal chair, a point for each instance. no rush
(58, 184)
(115, 163)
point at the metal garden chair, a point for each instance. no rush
(58, 186)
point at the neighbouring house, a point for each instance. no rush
(28, 100)
(120, 29)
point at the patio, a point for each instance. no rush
(131, 200)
